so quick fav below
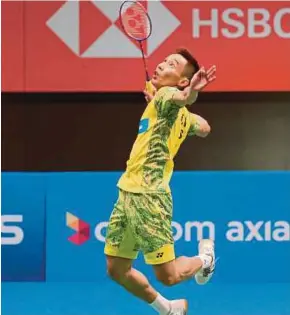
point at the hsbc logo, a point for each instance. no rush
(91, 29)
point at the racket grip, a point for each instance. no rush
(149, 87)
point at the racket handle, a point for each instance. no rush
(149, 87)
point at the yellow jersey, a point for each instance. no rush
(162, 129)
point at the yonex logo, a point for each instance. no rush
(91, 29)
(159, 255)
(82, 228)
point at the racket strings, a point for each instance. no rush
(136, 22)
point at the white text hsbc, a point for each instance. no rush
(235, 23)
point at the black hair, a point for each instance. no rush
(185, 53)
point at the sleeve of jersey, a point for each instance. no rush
(194, 125)
(163, 101)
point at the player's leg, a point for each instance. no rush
(177, 270)
(121, 249)
(150, 218)
(121, 271)
(158, 246)
(184, 268)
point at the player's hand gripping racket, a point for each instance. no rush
(137, 25)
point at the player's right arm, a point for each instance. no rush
(167, 97)
(164, 101)
(198, 82)
(178, 98)
(198, 126)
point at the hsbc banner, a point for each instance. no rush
(80, 46)
(22, 227)
(247, 213)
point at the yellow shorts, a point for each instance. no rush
(141, 222)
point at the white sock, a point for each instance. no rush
(161, 305)
(206, 260)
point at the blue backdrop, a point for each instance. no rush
(248, 214)
(23, 195)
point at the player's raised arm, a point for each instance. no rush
(198, 82)
(198, 126)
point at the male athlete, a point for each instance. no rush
(141, 219)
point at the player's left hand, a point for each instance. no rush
(202, 78)
(198, 82)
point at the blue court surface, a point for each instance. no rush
(107, 298)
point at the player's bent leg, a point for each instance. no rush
(120, 242)
(121, 271)
(156, 241)
(171, 271)
(178, 270)
(120, 250)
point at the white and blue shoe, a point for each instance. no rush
(206, 247)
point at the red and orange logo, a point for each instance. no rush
(82, 229)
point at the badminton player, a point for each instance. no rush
(141, 218)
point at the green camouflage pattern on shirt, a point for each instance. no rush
(158, 152)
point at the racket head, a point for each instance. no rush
(135, 20)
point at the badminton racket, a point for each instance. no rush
(137, 24)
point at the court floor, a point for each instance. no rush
(109, 299)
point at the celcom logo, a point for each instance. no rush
(14, 233)
(81, 227)
(193, 230)
(236, 231)
(91, 29)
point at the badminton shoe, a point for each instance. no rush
(178, 307)
(206, 247)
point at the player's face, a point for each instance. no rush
(170, 72)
